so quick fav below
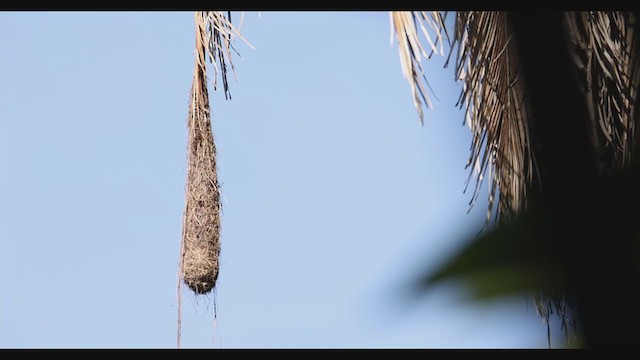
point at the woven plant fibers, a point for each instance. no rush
(199, 263)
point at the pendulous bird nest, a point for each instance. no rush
(201, 223)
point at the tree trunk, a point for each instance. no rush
(592, 233)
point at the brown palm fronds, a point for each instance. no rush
(218, 33)
(487, 64)
(606, 49)
(607, 55)
(496, 113)
(412, 52)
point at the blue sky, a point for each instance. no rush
(334, 196)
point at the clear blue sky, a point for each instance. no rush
(334, 196)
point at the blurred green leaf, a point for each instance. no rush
(521, 256)
(511, 258)
(508, 280)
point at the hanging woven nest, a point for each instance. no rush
(200, 249)
(201, 223)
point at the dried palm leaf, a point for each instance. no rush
(487, 65)
(607, 57)
(412, 52)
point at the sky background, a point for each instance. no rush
(335, 197)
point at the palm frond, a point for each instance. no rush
(607, 57)
(606, 48)
(487, 64)
(216, 36)
(405, 24)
